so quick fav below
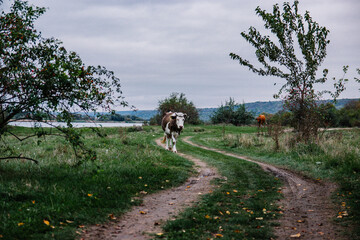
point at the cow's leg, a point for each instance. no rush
(171, 143)
(167, 142)
(173, 137)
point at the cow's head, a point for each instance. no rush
(180, 119)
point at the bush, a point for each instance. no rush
(233, 113)
(176, 103)
(349, 115)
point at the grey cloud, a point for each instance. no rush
(157, 47)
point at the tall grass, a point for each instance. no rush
(334, 156)
(54, 199)
(242, 207)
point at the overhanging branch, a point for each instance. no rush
(19, 157)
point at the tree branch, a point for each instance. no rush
(19, 157)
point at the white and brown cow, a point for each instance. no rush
(172, 124)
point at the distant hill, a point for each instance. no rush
(255, 107)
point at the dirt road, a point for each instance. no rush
(143, 221)
(307, 207)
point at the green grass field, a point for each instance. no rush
(334, 157)
(55, 199)
(243, 207)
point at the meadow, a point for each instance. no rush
(56, 199)
(334, 157)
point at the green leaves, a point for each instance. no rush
(233, 113)
(39, 75)
(280, 58)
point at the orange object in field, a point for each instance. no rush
(261, 120)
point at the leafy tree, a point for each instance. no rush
(41, 78)
(176, 103)
(328, 115)
(232, 113)
(279, 58)
(349, 115)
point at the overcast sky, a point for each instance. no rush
(157, 47)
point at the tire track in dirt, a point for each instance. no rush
(307, 207)
(157, 208)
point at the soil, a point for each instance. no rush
(307, 208)
(144, 221)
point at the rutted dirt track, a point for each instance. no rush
(307, 208)
(157, 208)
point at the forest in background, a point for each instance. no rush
(255, 107)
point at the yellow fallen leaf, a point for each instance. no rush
(46, 222)
(235, 191)
(52, 226)
(20, 224)
(167, 180)
(227, 193)
(81, 226)
(142, 212)
(321, 233)
(227, 212)
(218, 235)
(68, 221)
(295, 235)
(140, 177)
(90, 194)
(111, 216)
(33, 201)
(216, 217)
(259, 218)
(159, 234)
(221, 212)
(207, 217)
(300, 221)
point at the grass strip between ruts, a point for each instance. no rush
(242, 207)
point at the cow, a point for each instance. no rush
(172, 124)
(261, 121)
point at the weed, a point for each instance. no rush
(332, 155)
(50, 200)
(241, 208)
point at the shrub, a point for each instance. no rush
(233, 113)
(176, 103)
